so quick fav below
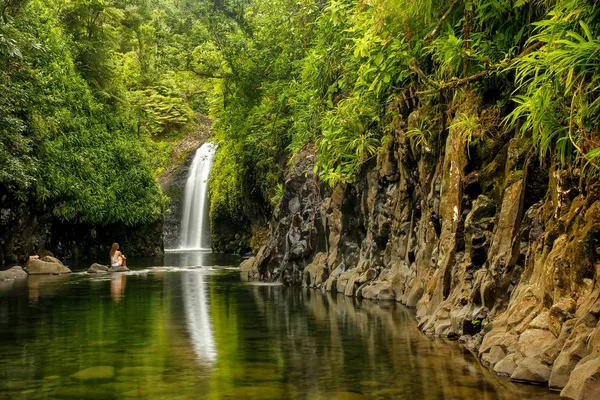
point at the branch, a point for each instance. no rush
(456, 82)
(435, 30)
(415, 67)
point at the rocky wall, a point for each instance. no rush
(23, 230)
(490, 245)
(26, 230)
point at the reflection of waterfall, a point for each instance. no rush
(194, 232)
(195, 302)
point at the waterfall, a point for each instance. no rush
(195, 234)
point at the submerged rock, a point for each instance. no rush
(95, 373)
(96, 268)
(40, 267)
(12, 274)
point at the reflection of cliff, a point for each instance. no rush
(332, 343)
(195, 301)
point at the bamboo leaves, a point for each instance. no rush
(559, 85)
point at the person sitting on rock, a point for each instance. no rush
(117, 259)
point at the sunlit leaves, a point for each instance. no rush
(559, 84)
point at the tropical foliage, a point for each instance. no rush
(93, 87)
(94, 95)
(336, 77)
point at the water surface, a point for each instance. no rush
(190, 329)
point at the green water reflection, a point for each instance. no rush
(194, 333)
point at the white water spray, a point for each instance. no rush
(195, 234)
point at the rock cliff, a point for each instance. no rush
(491, 246)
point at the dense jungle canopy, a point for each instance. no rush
(95, 93)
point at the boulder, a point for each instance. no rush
(508, 365)
(13, 273)
(118, 269)
(96, 268)
(248, 269)
(39, 267)
(531, 370)
(51, 259)
(534, 341)
(584, 382)
(573, 351)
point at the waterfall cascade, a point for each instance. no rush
(195, 232)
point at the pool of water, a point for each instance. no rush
(185, 327)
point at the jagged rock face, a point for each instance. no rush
(297, 231)
(23, 230)
(504, 255)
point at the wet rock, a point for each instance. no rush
(12, 274)
(533, 342)
(367, 276)
(316, 273)
(584, 383)
(39, 267)
(531, 370)
(96, 268)
(248, 269)
(495, 355)
(562, 310)
(573, 351)
(508, 365)
(381, 290)
(118, 269)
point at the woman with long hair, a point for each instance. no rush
(117, 259)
